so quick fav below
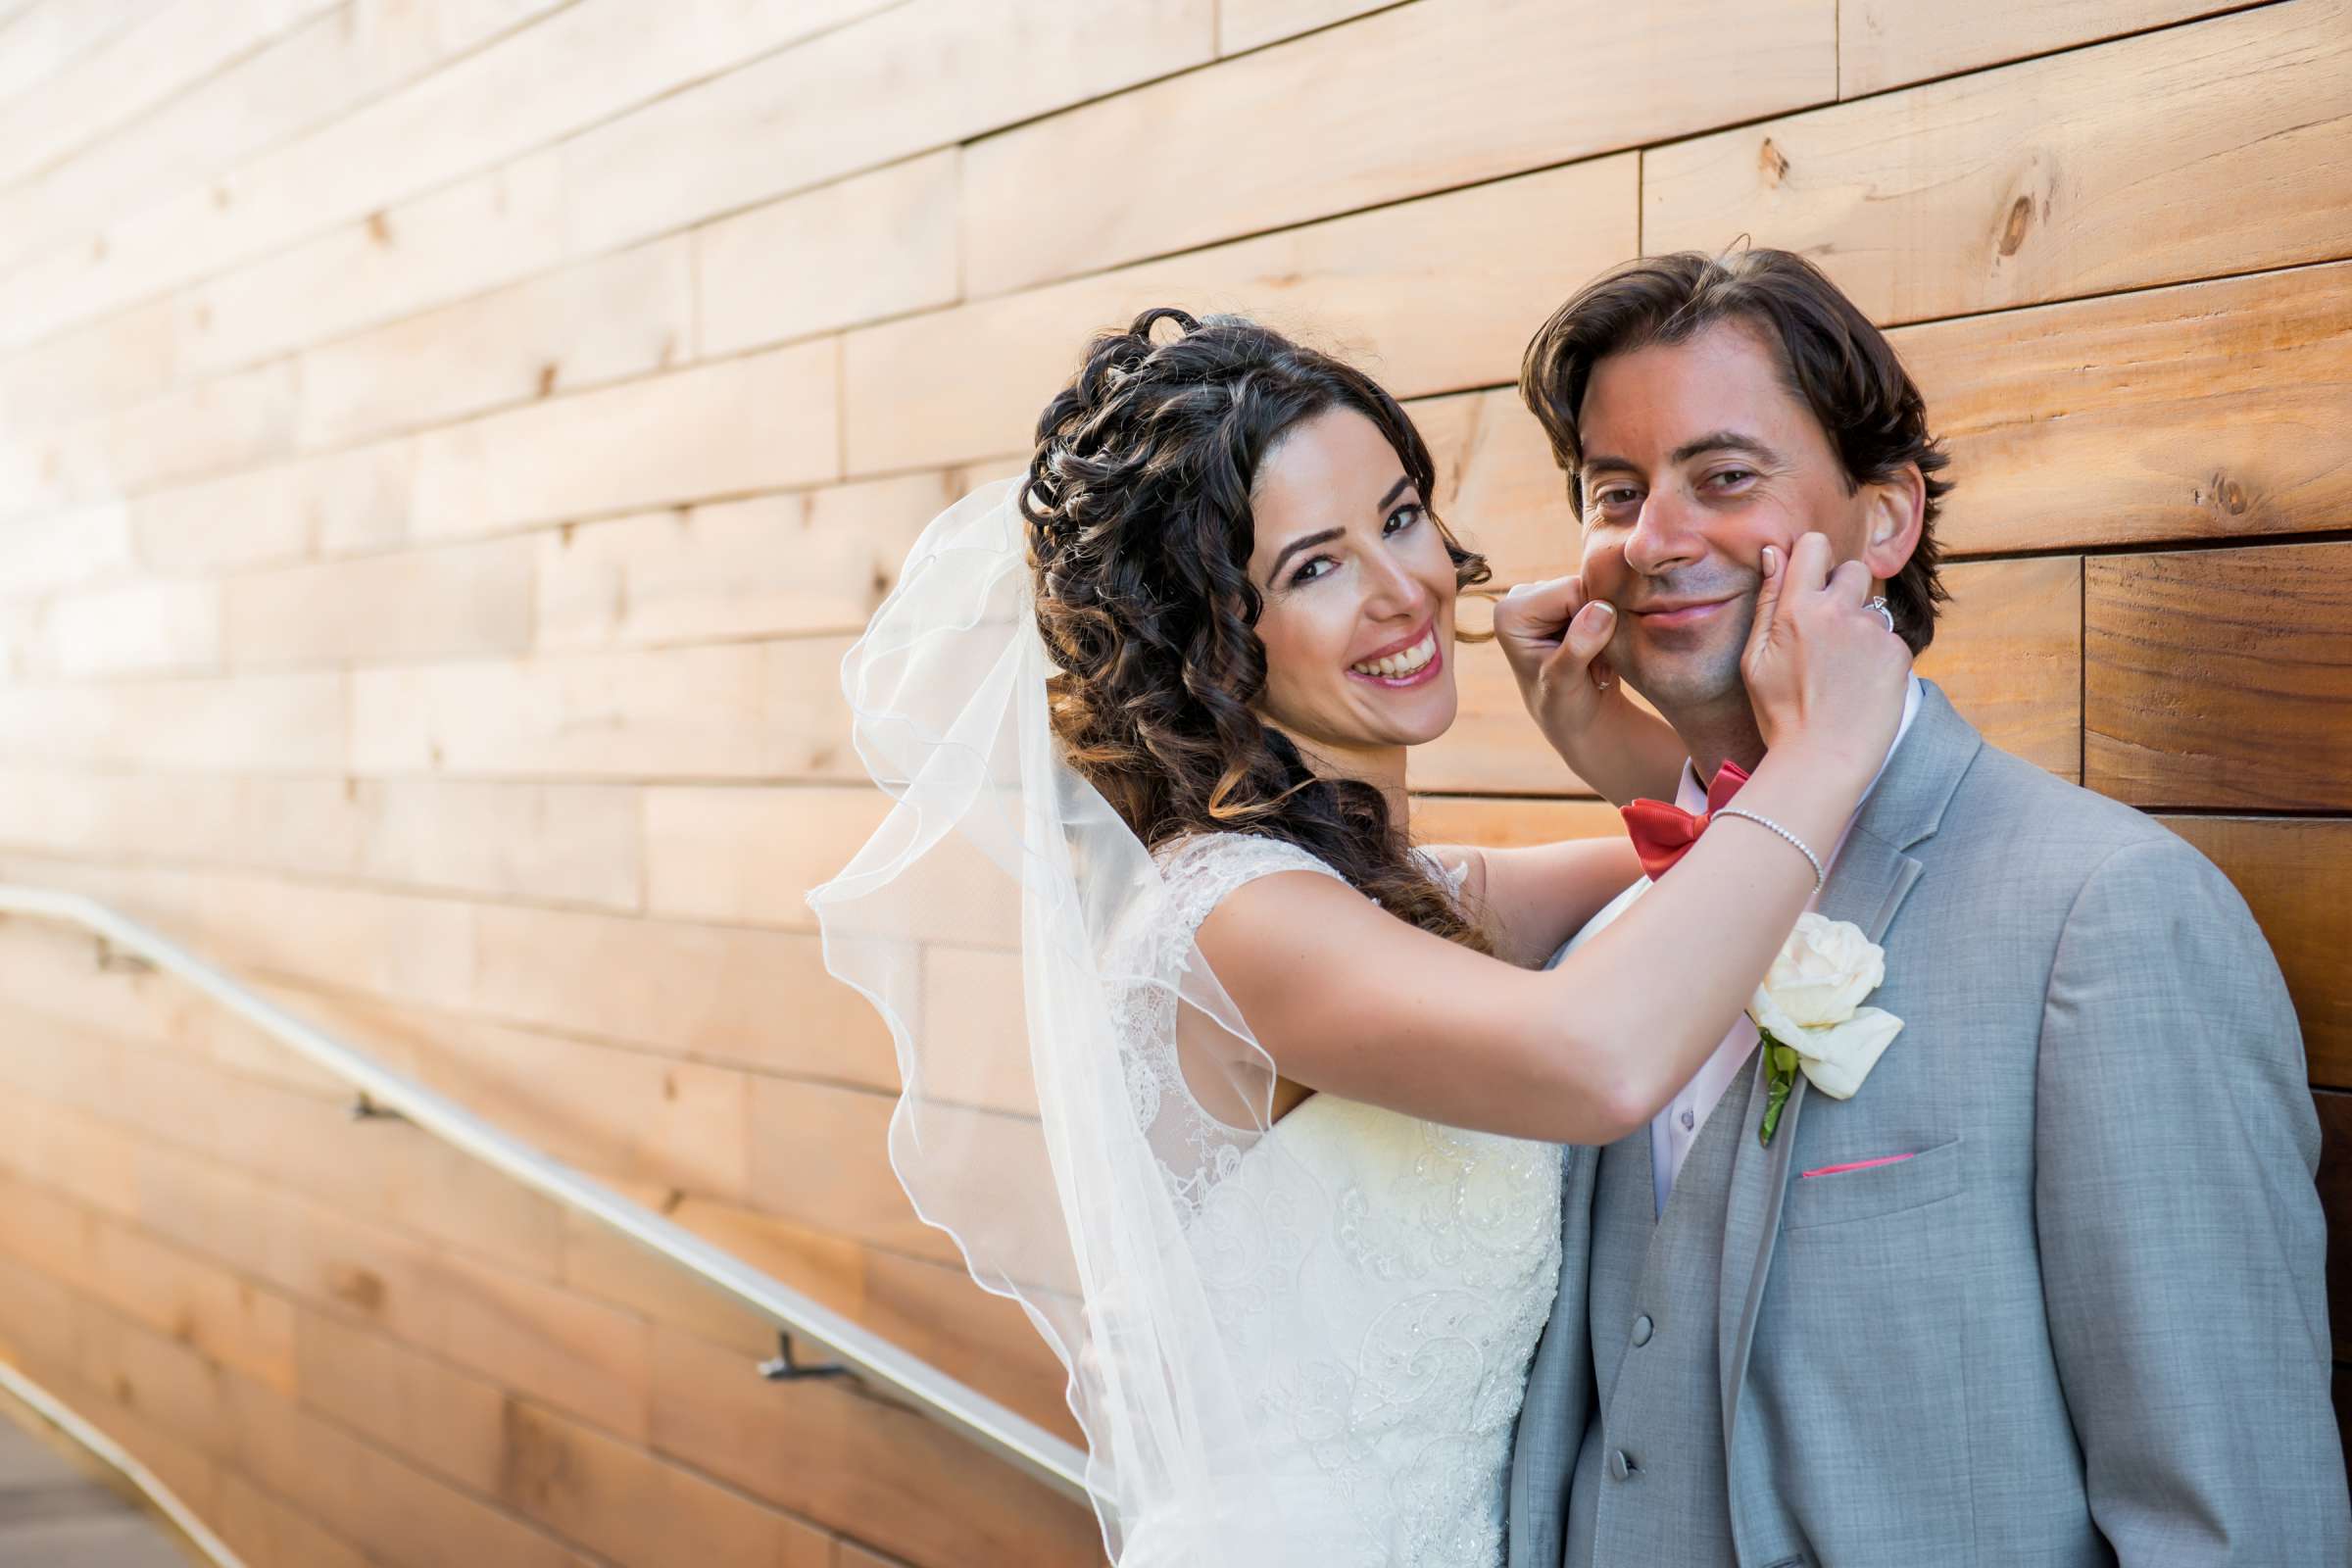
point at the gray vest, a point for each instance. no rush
(1649, 1479)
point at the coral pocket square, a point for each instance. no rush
(1859, 1164)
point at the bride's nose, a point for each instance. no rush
(1394, 592)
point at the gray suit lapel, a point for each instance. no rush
(1867, 886)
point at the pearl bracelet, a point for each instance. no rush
(1818, 876)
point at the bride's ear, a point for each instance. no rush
(1896, 510)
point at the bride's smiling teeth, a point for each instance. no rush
(1396, 665)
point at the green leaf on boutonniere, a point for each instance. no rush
(1780, 1077)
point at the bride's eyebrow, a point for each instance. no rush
(1304, 542)
(1403, 483)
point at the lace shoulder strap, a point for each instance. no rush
(1203, 868)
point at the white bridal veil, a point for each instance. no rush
(1015, 935)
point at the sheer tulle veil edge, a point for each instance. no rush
(1015, 937)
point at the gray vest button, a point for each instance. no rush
(1619, 1465)
(1641, 1330)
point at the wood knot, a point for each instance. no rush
(1773, 161)
(669, 1086)
(547, 377)
(2021, 219)
(359, 1286)
(2230, 495)
(379, 228)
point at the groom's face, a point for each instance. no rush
(1696, 457)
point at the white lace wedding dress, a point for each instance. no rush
(1381, 1280)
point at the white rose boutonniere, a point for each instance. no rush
(1809, 1011)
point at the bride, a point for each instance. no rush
(1249, 1102)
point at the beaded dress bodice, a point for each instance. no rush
(1381, 1281)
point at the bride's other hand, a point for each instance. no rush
(1557, 642)
(1823, 670)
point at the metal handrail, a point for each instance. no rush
(17, 1390)
(861, 1353)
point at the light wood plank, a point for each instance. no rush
(173, 47)
(358, 498)
(298, 1141)
(820, 1156)
(2207, 411)
(269, 1533)
(624, 1114)
(201, 429)
(2050, 179)
(1886, 43)
(748, 998)
(564, 843)
(1383, 289)
(1184, 163)
(2008, 652)
(751, 856)
(817, 561)
(51, 38)
(764, 422)
(125, 358)
(533, 1336)
(633, 1508)
(44, 555)
(717, 993)
(151, 628)
(197, 1303)
(259, 722)
(1253, 23)
(406, 1518)
(461, 600)
(908, 1486)
(1498, 487)
(1505, 823)
(910, 80)
(734, 711)
(874, 246)
(2296, 875)
(581, 66)
(2219, 678)
(307, 78)
(604, 321)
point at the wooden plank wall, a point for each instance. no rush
(446, 445)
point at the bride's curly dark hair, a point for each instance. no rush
(1140, 534)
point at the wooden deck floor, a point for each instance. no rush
(52, 1515)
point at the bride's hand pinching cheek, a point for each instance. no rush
(1556, 641)
(1822, 668)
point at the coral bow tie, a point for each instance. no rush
(1663, 834)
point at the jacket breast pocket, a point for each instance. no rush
(1870, 1189)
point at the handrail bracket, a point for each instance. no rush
(785, 1367)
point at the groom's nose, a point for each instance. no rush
(1665, 535)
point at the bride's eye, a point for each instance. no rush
(1308, 569)
(1402, 518)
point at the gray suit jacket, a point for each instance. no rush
(2087, 1319)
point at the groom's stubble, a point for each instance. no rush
(1694, 681)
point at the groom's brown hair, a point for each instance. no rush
(1832, 358)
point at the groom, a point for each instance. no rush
(2047, 1289)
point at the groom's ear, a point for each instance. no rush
(1894, 512)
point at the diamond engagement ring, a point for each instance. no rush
(1885, 615)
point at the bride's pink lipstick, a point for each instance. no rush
(1419, 678)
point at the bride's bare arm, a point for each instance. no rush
(1349, 999)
